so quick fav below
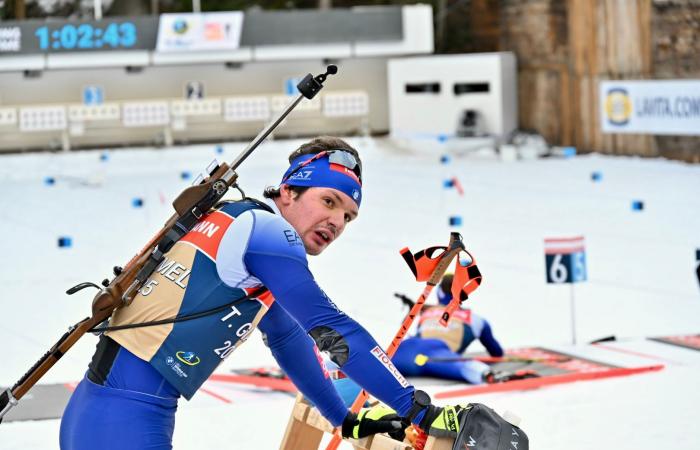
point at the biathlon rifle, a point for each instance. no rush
(405, 299)
(192, 203)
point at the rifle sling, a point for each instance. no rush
(183, 225)
(197, 315)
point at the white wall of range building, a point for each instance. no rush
(144, 91)
(428, 95)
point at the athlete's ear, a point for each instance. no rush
(286, 195)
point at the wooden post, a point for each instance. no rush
(608, 40)
(300, 434)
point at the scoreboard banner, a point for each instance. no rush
(188, 32)
(664, 107)
(211, 31)
(64, 36)
(565, 260)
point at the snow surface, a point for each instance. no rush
(640, 267)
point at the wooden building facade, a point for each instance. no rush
(565, 47)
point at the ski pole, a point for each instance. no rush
(467, 278)
(432, 278)
(422, 359)
(190, 206)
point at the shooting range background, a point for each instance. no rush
(641, 274)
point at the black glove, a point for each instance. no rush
(442, 421)
(464, 422)
(377, 419)
(438, 421)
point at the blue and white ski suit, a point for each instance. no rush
(129, 396)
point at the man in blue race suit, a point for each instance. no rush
(436, 350)
(250, 257)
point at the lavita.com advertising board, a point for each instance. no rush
(663, 107)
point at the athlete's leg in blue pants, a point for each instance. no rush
(405, 360)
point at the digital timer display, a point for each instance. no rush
(64, 36)
(87, 36)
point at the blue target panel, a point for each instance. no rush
(566, 267)
(637, 205)
(49, 181)
(185, 175)
(455, 221)
(104, 157)
(219, 149)
(137, 202)
(596, 176)
(445, 159)
(65, 242)
(569, 152)
(565, 260)
(447, 184)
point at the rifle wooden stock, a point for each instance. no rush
(50, 358)
(111, 297)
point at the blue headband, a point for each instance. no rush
(322, 173)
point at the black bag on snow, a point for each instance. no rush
(481, 428)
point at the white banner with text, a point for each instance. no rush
(669, 107)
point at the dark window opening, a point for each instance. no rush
(470, 88)
(423, 88)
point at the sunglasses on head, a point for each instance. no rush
(340, 157)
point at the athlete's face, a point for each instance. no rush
(319, 215)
